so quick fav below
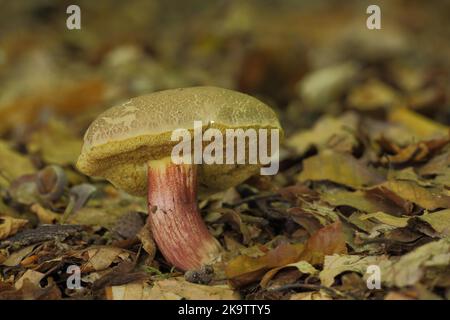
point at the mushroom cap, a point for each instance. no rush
(119, 142)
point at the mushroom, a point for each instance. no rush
(130, 145)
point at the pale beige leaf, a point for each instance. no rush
(170, 289)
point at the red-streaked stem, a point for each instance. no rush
(177, 226)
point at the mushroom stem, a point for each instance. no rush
(177, 226)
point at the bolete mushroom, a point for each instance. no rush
(130, 145)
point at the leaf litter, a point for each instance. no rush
(364, 178)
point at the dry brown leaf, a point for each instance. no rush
(45, 216)
(10, 226)
(71, 99)
(56, 144)
(317, 295)
(427, 198)
(244, 269)
(438, 165)
(32, 276)
(12, 165)
(439, 221)
(416, 152)
(324, 131)
(170, 289)
(339, 168)
(326, 241)
(390, 220)
(148, 243)
(360, 201)
(101, 257)
(372, 95)
(423, 127)
(303, 267)
(16, 258)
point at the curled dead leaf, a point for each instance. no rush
(170, 289)
(10, 226)
(339, 168)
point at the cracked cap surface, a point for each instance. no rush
(120, 141)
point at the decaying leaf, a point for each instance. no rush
(397, 222)
(148, 243)
(16, 257)
(336, 264)
(339, 168)
(325, 130)
(10, 226)
(45, 216)
(326, 241)
(244, 269)
(364, 164)
(439, 221)
(322, 86)
(427, 198)
(372, 95)
(101, 257)
(423, 127)
(413, 267)
(318, 295)
(302, 266)
(32, 276)
(359, 200)
(170, 289)
(56, 144)
(12, 164)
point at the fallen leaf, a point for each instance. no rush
(326, 241)
(317, 295)
(10, 226)
(336, 264)
(440, 164)
(244, 269)
(16, 257)
(170, 289)
(148, 243)
(427, 198)
(12, 165)
(101, 257)
(439, 221)
(325, 130)
(358, 200)
(32, 276)
(56, 144)
(324, 85)
(302, 266)
(411, 267)
(45, 216)
(339, 168)
(390, 220)
(417, 152)
(372, 95)
(423, 127)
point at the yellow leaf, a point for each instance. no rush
(388, 219)
(12, 165)
(439, 221)
(302, 266)
(244, 269)
(339, 168)
(420, 125)
(9, 226)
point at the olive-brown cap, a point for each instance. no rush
(120, 141)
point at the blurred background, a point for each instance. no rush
(268, 48)
(358, 107)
